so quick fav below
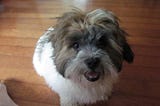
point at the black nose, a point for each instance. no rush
(92, 63)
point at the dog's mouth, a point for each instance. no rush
(92, 75)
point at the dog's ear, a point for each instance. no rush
(128, 54)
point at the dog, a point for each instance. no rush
(81, 56)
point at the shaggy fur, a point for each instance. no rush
(80, 59)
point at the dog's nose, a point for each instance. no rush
(92, 63)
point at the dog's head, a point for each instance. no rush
(89, 45)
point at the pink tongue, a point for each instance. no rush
(92, 74)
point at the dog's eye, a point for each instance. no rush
(76, 45)
(101, 42)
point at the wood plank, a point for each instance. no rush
(30, 103)
(144, 41)
(140, 74)
(142, 50)
(138, 88)
(119, 100)
(17, 51)
(22, 42)
(143, 33)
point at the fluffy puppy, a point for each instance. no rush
(81, 57)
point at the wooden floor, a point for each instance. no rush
(23, 21)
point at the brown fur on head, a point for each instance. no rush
(96, 34)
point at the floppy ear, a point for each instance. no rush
(128, 54)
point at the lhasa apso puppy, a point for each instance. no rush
(81, 56)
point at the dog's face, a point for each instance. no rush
(88, 46)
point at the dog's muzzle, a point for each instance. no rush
(92, 75)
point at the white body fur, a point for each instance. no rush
(70, 92)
